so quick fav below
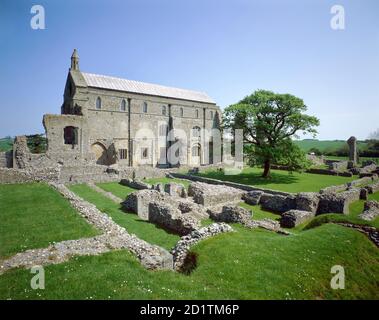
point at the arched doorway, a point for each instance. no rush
(100, 152)
(196, 154)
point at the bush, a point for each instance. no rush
(190, 263)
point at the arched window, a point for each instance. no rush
(211, 114)
(164, 110)
(197, 113)
(181, 112)
(123, 105)
(98, 103)
(196, 132)
(145, 107)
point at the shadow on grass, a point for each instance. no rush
(252, 178)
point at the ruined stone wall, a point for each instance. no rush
(6, 159)
(226, 183)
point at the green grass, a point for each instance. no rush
(259, 213)
(34, 215)
(130, 221)
(325, 145)
(6, 144)
(116, 188)
(280, 180)
(246, 264)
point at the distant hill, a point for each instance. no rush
(326, 145)
(6, 144)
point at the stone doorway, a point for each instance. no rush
(196, 155)
(101, 154)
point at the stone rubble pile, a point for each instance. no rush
(171, 218)
(370, 210)
(183, 246)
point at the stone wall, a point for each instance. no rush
(11, 175)
(277, 203)
(213, 195)
(171, 218)
(338, 202)
(241, 186)
(370, 210)
(292, 218)
(6, 159)
(183, 246)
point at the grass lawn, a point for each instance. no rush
(280, 180)
(6, 144)
(326, 145)
(246, 264)
(34, 215)
(130, 221)
(259, 213)
(116, 188)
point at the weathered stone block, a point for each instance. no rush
(171, 218)
(174, 189)
(292, 218)
(338, 203)
(138, 202)
(307, 201)
(210, 195)
(232, 214)
(253, 197)
(373, 187)
(277, 203)
(135, 184)
(370, 211)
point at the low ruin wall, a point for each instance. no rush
(227, 183)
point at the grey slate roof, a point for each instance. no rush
(106, 82)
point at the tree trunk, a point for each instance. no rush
(267, 166)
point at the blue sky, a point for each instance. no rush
(226, 48)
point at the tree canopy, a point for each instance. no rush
(269, 121)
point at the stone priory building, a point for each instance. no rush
(108, 120)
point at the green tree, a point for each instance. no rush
(316, 151)
(36, 143)
(269, 121)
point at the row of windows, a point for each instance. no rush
(144, 108)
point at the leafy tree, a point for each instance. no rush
(269, 121)
(316, 151)
(36, 143)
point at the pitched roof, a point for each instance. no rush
(106, 82)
